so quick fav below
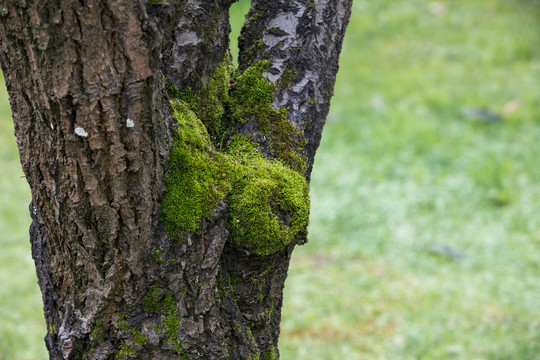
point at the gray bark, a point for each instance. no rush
(302, 39)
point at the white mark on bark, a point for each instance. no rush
(271, 40)
(81, 132)
(286, 22)
(187, 38)
(52, 126)
(130, 123)
(299, 86)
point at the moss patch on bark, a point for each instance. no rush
(267, 198)
(210, 103)
(269, 202)
(162, 302)
(198, 177)
(251, 98)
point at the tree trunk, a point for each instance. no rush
(168, 189)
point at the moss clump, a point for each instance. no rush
(158, 255)
(269, 202)
(213, 98)
(252, 98)
(209, 105)
(268, 199)
(186, 95)
(286, 78)
(124, 351)
(98, 331)
(252, 94)
(197, 176)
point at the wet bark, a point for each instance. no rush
(93, 124)
(302, 39)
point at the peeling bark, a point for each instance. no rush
(93, 124)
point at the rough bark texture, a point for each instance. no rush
(93, 123)
(302, 39)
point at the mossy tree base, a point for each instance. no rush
(159, 231)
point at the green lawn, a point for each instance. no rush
(425, 222)
(22, 326)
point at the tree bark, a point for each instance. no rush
(87, 82)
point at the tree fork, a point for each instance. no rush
(87, 82)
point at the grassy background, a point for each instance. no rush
(22, 326)
(402, 172)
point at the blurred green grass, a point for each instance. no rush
(22, 326)
(402, 171)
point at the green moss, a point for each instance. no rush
(268, 312)
(186, 95)
(139, 338)
(124, 351)
(268, 199)
(162, 302)
(252, 53)
(211, 31)
(269, 202)
(252, 98)
(254, 17)
(252, 93)
(98, 331)
(286, 78)
(270, 354)
(158, 301)
(197, 176)
(213, 98)
(52, 329)
(210, 101)
(157, 255)
(126, 347)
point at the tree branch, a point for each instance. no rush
(302, 40)
(195, 37)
